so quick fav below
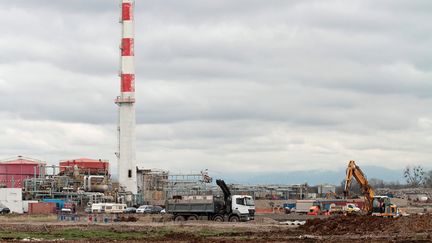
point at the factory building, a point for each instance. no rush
(14, 171)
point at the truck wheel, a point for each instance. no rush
(192, 218)
(234, 219)
(179, 218)
(218, 218)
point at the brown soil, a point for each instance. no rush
(368, 224)
(336, 229)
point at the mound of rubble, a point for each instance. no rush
(362, 224)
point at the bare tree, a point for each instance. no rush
(415, 176)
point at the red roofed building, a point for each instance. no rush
(14, 171)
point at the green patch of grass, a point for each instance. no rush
(151, 234)
(75, 234)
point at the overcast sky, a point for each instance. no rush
(239, 85)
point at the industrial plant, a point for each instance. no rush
(78, 197)
(83, 182)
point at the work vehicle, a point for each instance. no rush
(150, 209)
(351, 208)
(66, 210)
(381, 206)
(321, 208)
(130, 210)
(155, 209)
(146, 209)
(232, 208)
(304, 206)
(333, 208)
(374, 205)
(108, 208)
(289, 207)
(317, 210)
(4, 210)
(336, 209)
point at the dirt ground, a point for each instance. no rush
(336, 229)
(368, 228)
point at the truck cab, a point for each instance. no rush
(243, 206)
(314, 211)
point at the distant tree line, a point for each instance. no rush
(415, 177)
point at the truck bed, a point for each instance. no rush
(190, 206)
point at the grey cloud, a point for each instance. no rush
(222, 84)
(75, 6)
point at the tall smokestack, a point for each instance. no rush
(126, 101)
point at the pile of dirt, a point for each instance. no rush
(361, 224)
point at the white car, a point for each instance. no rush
(144, 209)
(352, 208)
(66, 210)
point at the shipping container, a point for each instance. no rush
(42, 208)
(59, 202)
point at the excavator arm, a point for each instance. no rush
(354, 171)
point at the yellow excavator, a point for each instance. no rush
(374, 205)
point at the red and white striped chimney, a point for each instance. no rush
(127, 48)
(126, 101)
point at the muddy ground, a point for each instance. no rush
(335, 229)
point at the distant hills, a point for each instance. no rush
(312, 177)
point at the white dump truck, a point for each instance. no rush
(232, 208)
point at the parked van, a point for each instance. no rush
(108, 208)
